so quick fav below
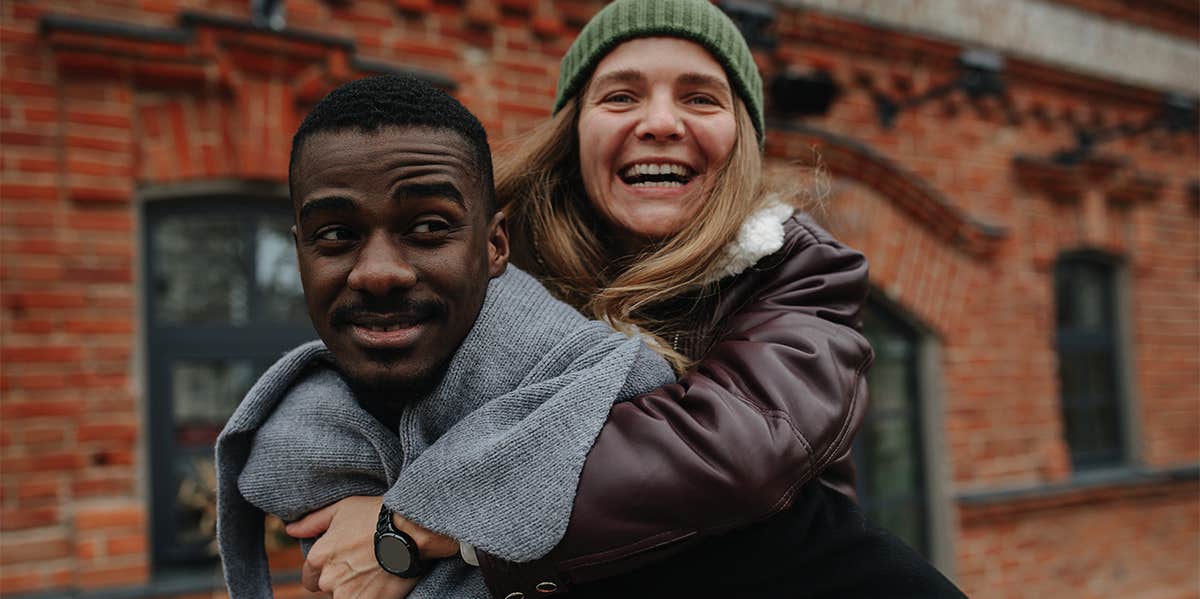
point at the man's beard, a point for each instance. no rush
(385, 397)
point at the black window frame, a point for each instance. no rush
(1073, 347)
(256, 342)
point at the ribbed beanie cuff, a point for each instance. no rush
(695, 20)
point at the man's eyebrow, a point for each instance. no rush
(324, 204)
(429, 190)
(701, 79)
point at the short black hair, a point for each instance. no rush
(370, 104)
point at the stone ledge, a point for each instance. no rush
(1087, 487)
(200, 580)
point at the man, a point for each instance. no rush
(444, 378)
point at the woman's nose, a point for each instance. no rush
(660, 120)
(381, 268)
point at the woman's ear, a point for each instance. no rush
(498, 244)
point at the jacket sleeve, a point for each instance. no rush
(778, 397)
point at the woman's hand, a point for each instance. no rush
(342, 561)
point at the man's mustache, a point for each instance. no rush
(386, 310)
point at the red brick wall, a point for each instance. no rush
(1130, 542)
(85, 120)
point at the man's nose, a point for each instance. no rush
(381, 267)
(661, 119)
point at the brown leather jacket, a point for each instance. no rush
(774, 402)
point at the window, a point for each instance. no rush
(223, 301)
(1088, 366)
(889, 451)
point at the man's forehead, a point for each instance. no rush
(386, 148)
(415, 138)
(414, 159)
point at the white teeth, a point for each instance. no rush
(657, 184)
(384, 328)
(657, 169)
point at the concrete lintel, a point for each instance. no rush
(1040, 31)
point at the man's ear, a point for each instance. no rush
(497, 244)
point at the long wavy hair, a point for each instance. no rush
(557, 235)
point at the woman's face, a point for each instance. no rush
(656, 122)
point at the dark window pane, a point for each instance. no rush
(888, 381)
(1087, 360)
(1088, 304)
(204, 394)
(199, 270)
(226, 302)
(196, 502)
(905, 519)
(888, 451)
(891, 449)
(276, 276)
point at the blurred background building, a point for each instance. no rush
(1023, 175)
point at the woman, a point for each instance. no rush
(642, 203)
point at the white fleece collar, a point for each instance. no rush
(760, 236)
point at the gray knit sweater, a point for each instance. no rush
(506, 432)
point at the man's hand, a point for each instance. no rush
(342, 562)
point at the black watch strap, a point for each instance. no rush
(395, 551)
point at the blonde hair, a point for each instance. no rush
(557, 237)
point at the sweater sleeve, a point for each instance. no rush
(777, 398)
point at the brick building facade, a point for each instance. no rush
(1036, 404)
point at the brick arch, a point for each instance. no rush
(925, 252)
(851, 159)
(911, 265)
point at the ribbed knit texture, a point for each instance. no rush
(491, 457)
(696, 20)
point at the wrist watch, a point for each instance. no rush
(395, 551)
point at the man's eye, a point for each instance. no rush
(334, 234)
(430, 226)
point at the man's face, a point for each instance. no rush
(395, 247)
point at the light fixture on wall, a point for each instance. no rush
(1178, 113)
(796, 93)
(981, 75)
(754, 19)
(268, 14)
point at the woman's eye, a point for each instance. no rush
(618, 98)
(703, 100)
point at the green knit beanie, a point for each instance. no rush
(695, 20)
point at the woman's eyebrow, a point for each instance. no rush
(701, 79)
(622, 76)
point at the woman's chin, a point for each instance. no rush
(638, 231)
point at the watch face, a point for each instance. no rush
(393, 553)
